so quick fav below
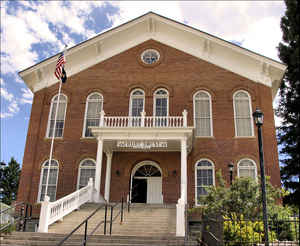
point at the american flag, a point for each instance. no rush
(59, 70)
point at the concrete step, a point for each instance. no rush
(50, 239)
(143, 219)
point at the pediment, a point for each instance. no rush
(151, 26)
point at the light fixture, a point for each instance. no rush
(258, 117)
(230, 167)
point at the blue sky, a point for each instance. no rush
(34, 30)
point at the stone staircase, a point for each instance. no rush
(143, 225)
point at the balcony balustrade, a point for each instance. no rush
(143, 121)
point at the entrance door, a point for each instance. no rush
(139, 191)
(146, 183)
(154, 190)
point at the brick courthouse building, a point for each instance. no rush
(151, 110)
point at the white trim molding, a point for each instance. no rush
(219, 52)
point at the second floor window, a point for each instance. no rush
(161, 104)
(242, 114)
(137, 102)
(60, 118)
(93, 108)
(202, 114)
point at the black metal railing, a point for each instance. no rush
(107, 207)
(18, 215)
(85, 223)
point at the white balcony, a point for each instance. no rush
(143, 131)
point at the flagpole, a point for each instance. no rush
(53, 132)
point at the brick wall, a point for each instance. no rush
(182, 75)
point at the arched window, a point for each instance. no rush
(242, 114)
(161, 102)
(161, 106)
(137, 102)
(60, 119)
(247, 168)
(204, 177)
(203, 114)
(93, 108)
(52, 180)
(87, 169)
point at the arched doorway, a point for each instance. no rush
(146, 183)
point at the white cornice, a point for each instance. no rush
(219, 52)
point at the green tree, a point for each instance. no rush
(289, 105)
(9, 181)
(241, 199)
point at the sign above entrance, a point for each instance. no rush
(142, 144)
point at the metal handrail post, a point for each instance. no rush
(111, 218)
(122, 210)
(85, 232)
(105, 219)
(25, 217)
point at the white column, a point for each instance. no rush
(108, 175)
(183, 175)
(98, 170)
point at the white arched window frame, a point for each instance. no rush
(161, 102)
(247, 168)
(52, 180)
(204, 177)
(61, 115)
(242, 114)
(137, 102)
(93, 108)
(87, 170)
(203, 114)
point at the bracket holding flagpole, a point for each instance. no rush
(54, 129)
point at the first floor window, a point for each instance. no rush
(87, 170)
(48, 180)
(247, 168)
(204, 172)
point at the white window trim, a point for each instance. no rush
(251, 118)
(85, 113)
(80, 168)
(160, 96)
(49, 116)
(133, 97)
(196, 168)
(41, 178)
(211, 115)
(254, 167)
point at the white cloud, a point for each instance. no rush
(6, 95)
(27, 96)
(2, 82)
(132, 9)
(5, 115)
(13, 107)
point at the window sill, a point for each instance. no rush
(88, 138)
(244, 137)
(57, 138)
(209, 137)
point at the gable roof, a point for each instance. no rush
(190, 40)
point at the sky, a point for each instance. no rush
(32, 31)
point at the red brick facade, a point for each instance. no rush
(182, 75)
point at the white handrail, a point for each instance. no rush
(143, 121)
(54, 211)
